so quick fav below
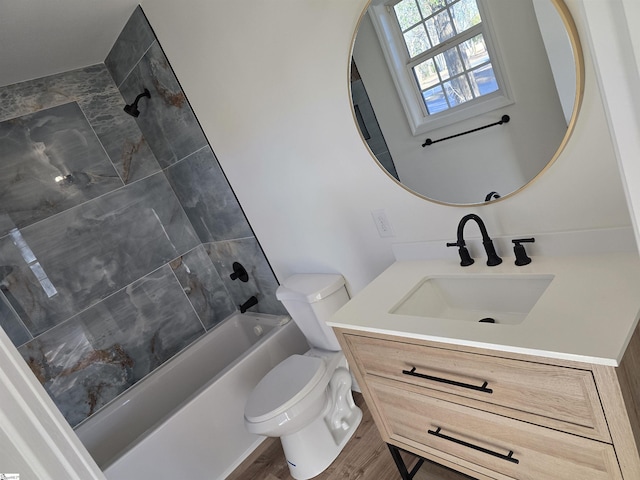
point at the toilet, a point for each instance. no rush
(306, 399)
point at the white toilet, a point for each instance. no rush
(306, 399)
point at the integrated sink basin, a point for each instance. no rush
(502, 299)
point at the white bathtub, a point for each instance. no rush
(186, 419)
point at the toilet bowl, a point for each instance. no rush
(306, 399)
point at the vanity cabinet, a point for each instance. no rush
(498, 415)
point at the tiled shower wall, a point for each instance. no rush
(117, 235)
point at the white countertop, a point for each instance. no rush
(588, 313)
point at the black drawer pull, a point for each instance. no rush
(508, 457)
(482, 388)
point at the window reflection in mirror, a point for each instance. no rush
(445, 47)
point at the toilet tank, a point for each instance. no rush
(311, 299)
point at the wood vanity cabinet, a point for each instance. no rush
(498, 415)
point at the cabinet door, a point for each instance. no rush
(475, 437)
(557, 397)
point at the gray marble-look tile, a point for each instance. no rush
(203, 286)
(120, 136)
(11, 323)
(96, 93)
(62, 265)
(262, 282)
(132, 43)
(51, 161)
(6, 223)
(166, 119)
(90, 359)
(207, 198)
(31, 96)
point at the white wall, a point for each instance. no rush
(44, 37)
(617, 53)
(268, 81)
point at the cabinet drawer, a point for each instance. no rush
(556, 397)
(475, 438)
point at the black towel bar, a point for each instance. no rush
(504, 119)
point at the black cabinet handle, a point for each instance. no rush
(508, 457)
(482, 388)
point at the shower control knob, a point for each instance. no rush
(239, 273)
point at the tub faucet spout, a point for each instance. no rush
(465, 258)
(251, 301)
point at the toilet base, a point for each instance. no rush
(312, 449)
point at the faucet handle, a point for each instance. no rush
(465, 257)
(521, 254)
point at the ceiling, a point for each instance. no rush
(43, 37)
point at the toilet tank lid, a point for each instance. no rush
(311, 287)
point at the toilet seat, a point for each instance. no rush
(284, 386)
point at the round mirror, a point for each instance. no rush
(465, 102)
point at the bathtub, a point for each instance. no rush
(186, 419)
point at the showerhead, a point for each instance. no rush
(133, 108)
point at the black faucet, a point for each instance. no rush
(251, 301)
(465, 259)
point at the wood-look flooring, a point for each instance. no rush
(365, 457)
